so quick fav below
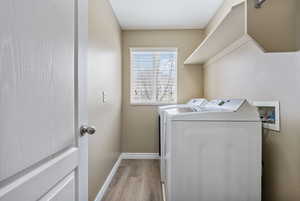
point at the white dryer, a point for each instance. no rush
(214, 153)
(193, 103)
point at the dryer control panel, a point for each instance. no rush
(225, 104)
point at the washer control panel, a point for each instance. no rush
(197, 102)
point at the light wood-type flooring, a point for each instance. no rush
(136, 180)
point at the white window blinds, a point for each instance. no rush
(153, 76)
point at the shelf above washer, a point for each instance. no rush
(231, 27)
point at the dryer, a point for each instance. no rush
(213, 153)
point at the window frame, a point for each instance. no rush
(149, 49)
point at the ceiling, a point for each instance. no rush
(164, 14)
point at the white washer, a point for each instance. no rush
(196, 102)
(213, 154)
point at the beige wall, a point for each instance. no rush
(250, 73)
(104, 74)
(273, 25)
(298, 25)
(140, 128)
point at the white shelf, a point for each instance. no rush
(231, 28)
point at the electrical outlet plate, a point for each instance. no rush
(104, 97)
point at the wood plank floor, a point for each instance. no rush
(136, 180)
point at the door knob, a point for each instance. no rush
(87, 130)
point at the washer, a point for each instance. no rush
(213, 152)
(193, 103)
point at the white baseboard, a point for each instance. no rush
(163, 191)
(113, 171)
(108, 180)
(140, 156)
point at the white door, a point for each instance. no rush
(42, 103)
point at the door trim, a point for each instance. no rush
(80, 57)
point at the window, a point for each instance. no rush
(153, 76)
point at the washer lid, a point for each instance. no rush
(165, 107)
(192, 103)
(179, 110)
(218, 110)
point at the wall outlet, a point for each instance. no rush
(104, 97)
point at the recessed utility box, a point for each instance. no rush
(269, 112)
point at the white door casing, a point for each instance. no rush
(81, 96)
(42, 100)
